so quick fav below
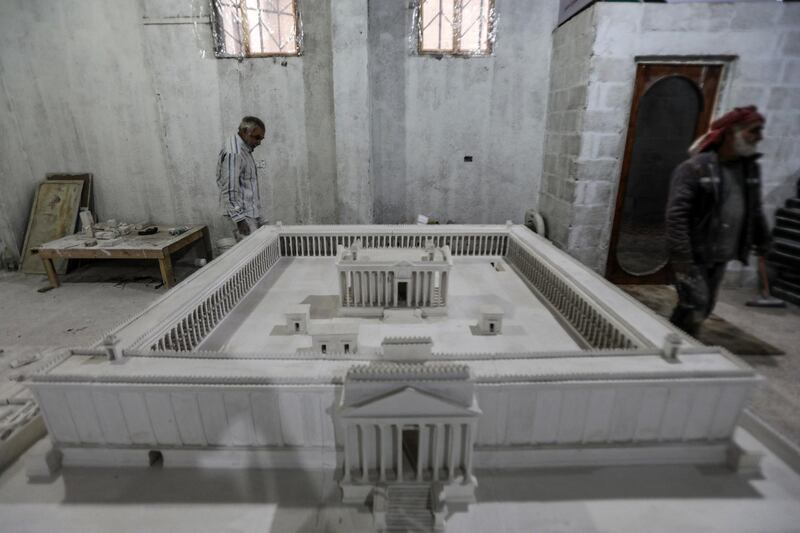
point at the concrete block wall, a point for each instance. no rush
(763, 38)
(561, 175)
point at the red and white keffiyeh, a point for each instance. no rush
(715, 133)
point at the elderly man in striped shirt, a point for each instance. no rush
(237, 178)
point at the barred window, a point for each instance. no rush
(256, 28)
(456, 27)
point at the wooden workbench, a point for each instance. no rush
(159, 246)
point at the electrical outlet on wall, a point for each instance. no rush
(261, 163)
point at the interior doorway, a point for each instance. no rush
(671, 106)
(410, 450)
(402, 294)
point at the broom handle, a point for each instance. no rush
(762, 270)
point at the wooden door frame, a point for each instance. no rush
(614, 271)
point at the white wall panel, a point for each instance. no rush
(293, 426)
(312, 418)
(110, 417)
(492, 403)
(240, 418)
(267, 418)
(328, 410)
(521, 409)
(59, 419)
(599, 416)
(187, 413)
(546, 416)
(704, 404)
(83, 414)
(648, 425)
(215, 422)
(676, 412)
(728, 409)
(162, 418)
(137, 418)
(574, 406)
(626, 413)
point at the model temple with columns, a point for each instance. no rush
(397, 434)
(371, 279)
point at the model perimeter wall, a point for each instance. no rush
(297, 421)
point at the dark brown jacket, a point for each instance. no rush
(693, 211)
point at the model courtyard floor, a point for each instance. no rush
(257, 324)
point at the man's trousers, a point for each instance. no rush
(697, 294)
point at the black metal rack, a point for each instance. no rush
(785, 254)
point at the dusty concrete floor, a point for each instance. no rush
(778, 399)
(92, 301)
(74, 314)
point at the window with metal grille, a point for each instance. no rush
(256, 28)
(456, 27)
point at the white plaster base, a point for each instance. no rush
(356, 494)
(42, 461)
(312, 459)
(433, 311)
(713, 452)
(456, 492)
(743, 461)
(378, 312)
(460, 492)
(361, 312)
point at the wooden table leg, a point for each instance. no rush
(51, 272)
(165, 264)
(207, 244)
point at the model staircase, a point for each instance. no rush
(409, 509)
(785, 254)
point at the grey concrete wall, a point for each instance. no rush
(75, 97)
(132, 92)
(569, 76)
(428, 113)
(352, 97)
(200, 100)
(764, 38)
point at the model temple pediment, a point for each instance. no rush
(408, 402)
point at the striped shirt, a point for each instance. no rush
(237, 179)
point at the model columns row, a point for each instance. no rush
(380, 289)
(429, 437)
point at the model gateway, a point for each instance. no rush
(405, 358)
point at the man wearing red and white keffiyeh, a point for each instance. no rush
(714, 212)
